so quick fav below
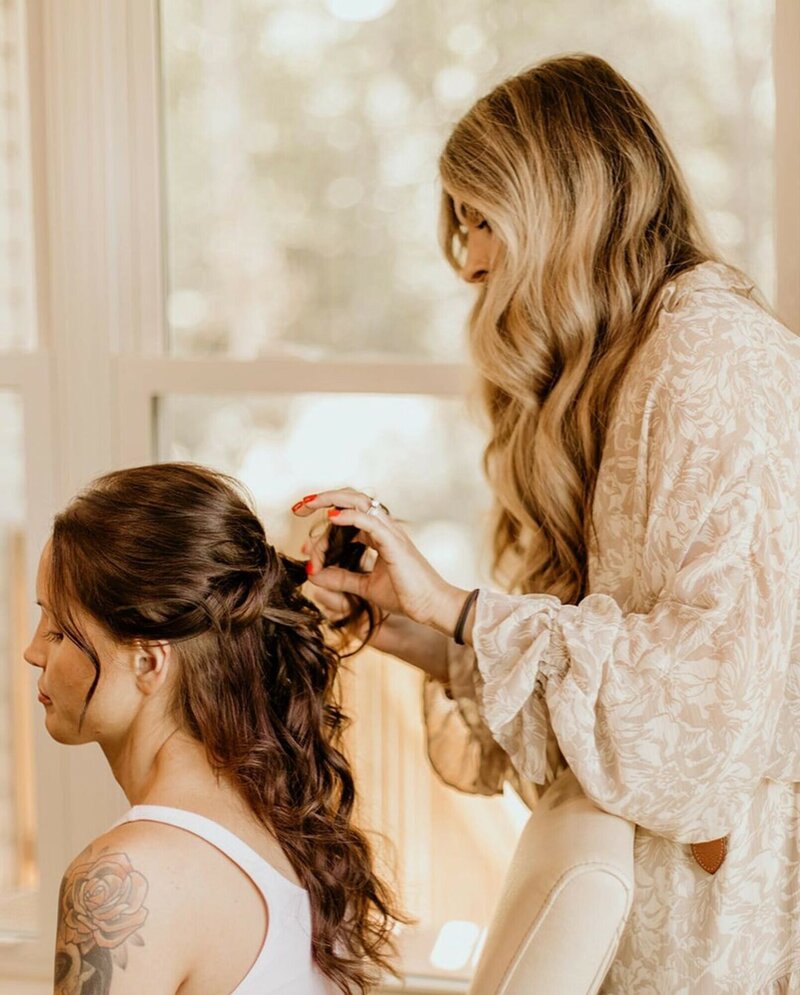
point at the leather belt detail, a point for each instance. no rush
(711, 854)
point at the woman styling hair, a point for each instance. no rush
(175, 636)
(645, 426)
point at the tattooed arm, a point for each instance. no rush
(150, 909)
(104, 941)
(102, 913)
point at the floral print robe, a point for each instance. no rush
(673, 689)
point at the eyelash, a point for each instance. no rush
(53, 637)
(481, 226)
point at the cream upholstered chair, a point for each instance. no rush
(565, 900)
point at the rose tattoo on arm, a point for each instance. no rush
(101, 910)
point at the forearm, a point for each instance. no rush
(419, 645)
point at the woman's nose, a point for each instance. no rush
(476, 264)
(32, 655)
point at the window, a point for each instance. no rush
(19, 870)
(309, 229)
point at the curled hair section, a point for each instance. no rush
(356, 628)
(592, 217)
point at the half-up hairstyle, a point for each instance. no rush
(592, 216)
(174, 552)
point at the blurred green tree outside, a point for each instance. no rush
(302, 149)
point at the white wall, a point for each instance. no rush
(787, 160)
(20, 987)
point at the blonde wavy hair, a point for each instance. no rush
(572, 172)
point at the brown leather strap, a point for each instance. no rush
(711, 854)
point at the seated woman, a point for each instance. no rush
(175, 636)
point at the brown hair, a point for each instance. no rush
(570, 168)
(174, 552)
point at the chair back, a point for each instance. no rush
(565, 901)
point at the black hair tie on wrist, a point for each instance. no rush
(458, 634)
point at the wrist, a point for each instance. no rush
(451, 605)
(466, 619)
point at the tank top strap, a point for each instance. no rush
(252, 863)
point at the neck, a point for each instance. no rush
(152, 757)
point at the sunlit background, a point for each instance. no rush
(302, 143)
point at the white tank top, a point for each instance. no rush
(284, 965)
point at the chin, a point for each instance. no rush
(61, 735)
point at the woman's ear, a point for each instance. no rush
(151, 665)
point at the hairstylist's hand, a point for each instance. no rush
(401, 579)
(396, 635)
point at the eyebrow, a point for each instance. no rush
(470, 214)
(41, 604)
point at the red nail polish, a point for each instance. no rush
(334, 512)
(309, 568)
(298, 506)
(308, 497)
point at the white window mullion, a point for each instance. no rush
(787, 160)
(133, 154)
(283, 375)
(140, 380)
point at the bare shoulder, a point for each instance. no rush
(148, 907)
(118, 905)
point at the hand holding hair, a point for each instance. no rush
(359, 622)
(359, 619)
(401, 580)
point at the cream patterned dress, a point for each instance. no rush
(673, 689)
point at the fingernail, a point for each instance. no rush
(298, 506)
(308, 497)
(334, 512)
(309, 568)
